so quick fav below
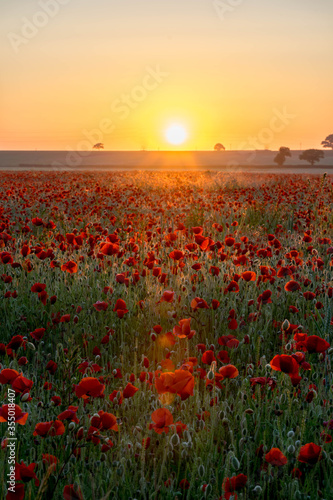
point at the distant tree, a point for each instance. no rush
(98, 146)
(219, 147)
(282, 155)
(312, 156)
(328, 142)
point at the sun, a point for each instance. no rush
(176, 134)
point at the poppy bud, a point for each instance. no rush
(290, 434)
(291, 449)
(210, 375)
(285, 325)
(71, 426)
(201, 470)
(153, 336)
(235, 463)
(257, 490)
(25, 397)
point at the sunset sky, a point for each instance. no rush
(122, 71)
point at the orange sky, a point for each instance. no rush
(252, 76)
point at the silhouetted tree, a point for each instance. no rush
(98, 146)
(282, 155)
(219, 147)
(312, 156)
(328, 142)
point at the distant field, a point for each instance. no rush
(159, 160)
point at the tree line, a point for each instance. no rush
(312, 156)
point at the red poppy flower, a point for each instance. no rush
(162, 419)
(6, 258)
(89, 387)
(52, 428)
(25, 472)
(265, 297)
(38, 334)
(198, 303)
(129, 391)
(208, 357)
(38, 287)
(232, 484)
(120, 308)
(8, 375)
(70, 267)
(214, 271)
(105, 421)
(310, 454)
(101, 305)
(229, 241)
(276, 457)
(292, 286)
(51, 367)
(50, 460)
(176, 255)
(16, 342)
(65, 318)
(183, 329)
(249, 276)
(180, 382)
(223, 356)
(21, 384)
(314, 343)
(184, 484)
(168, 296)
(18, 494)
(285, 363)
(72, 493)
(69, 414)
(7, 410)
(215, 304)
(109, 249)
(309, 295)
(232, 287)
(229, 371)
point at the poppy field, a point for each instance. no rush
(166, 335)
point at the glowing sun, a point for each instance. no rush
(176, 134)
